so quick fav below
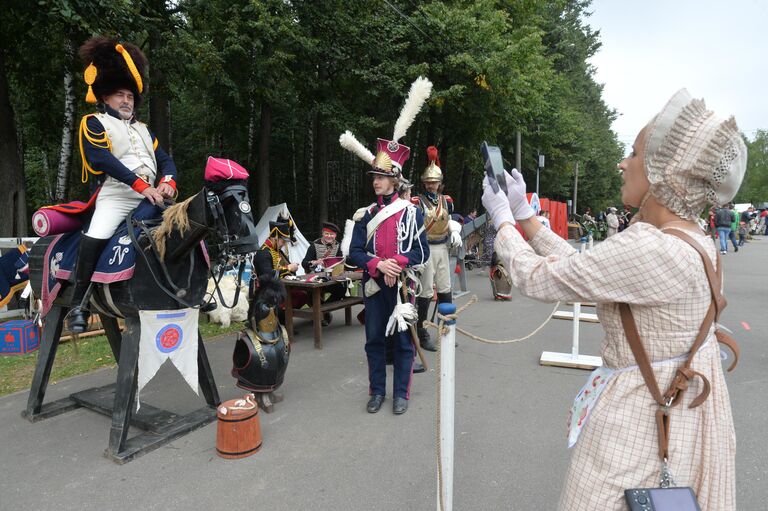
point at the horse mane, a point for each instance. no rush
(173, 217)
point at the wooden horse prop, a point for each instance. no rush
(262, 351)
(171, 272)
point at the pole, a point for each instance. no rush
(575, 343)
(575, 187)
(518, 151)
(447, 390)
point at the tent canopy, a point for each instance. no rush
(296, 251)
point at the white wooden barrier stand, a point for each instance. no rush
(447, 390)
(574, 358)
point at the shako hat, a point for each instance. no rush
(390, 154)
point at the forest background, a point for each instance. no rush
(273, 83)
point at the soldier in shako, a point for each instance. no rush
(388, 242)
(442, 235)
(119, 151)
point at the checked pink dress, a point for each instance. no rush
(662, 278)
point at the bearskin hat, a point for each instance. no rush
(112, 65)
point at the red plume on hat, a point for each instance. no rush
(433, 172)
(112, 65)
(432, 155)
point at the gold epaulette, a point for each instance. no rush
(100, 140)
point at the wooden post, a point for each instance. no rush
(447, 389)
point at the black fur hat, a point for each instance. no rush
(112, 65)
(265, 292)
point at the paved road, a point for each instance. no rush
(323, 451)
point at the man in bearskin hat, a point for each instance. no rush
(388, 241)
(119, 151)
(326, 246)
(442, 234)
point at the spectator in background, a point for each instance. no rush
(613, 222)
(742, 233)
(625, 218)
(748, 215)
(734, 227)
(723, 219)
(471, 216)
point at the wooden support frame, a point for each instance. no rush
(118, 400)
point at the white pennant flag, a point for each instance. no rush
(170, 334)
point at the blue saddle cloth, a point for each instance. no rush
(117, 261)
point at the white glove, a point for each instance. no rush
(518, 202)
(496, 204)
(455, 228)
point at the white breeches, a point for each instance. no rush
(436, 272)
(115, 201)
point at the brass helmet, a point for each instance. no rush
(432, 172)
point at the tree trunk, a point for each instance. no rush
(321, 162)
(68, 126)
(262, 172)
(310, 160)
(251, 131)
(159, 104)
(13, 210)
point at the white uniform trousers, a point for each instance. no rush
(115, 200)
(436, 272)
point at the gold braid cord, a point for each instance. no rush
(442, 329)
(100, 140)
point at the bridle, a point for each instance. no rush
(236, 247)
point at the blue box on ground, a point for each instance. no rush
(19, 337)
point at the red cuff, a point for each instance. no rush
(401, 260)
(139, 185)
(169, 181)
(372, 264)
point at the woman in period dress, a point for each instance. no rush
(685, 158)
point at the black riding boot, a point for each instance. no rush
(422, 307)
(87, 257)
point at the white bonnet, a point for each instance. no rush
(693, 157)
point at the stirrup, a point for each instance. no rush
(77, 322)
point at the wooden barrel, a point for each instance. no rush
(239, 432)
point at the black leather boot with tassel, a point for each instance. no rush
(87, 257)
(422, 307)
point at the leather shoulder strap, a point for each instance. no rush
(714, 276)
(638, 350)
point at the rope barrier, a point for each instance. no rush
(442, 329)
